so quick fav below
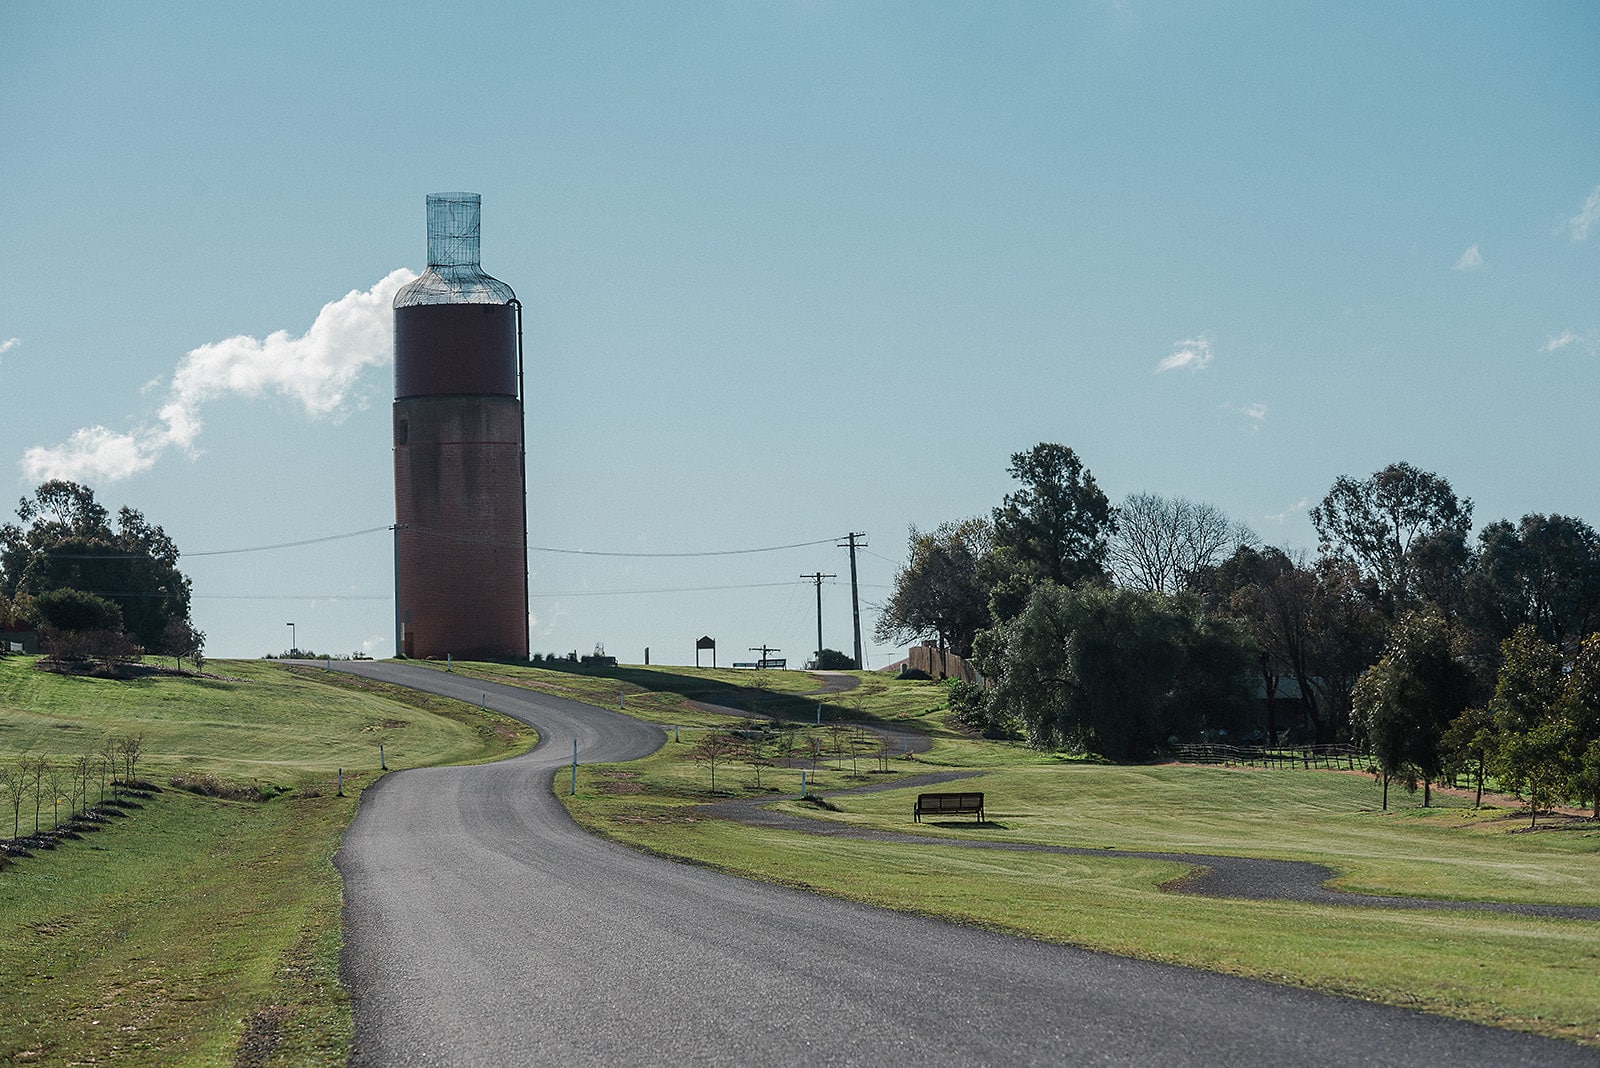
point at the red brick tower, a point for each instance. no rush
(460, 496)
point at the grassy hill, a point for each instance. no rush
(197, 929)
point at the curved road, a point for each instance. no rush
(483, 927)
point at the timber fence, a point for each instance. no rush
(1342, 757)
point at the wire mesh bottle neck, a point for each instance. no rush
(453, 275)
(453, 229)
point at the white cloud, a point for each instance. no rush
(1588, 343)
(1580, 224)
(1193, 353)
(8, 344)
(94, 454)
(316, 370)
(1470, 260)
(1560, 341)
(1256, 413)
(1283, 516)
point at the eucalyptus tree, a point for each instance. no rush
(939, 592)
(1404, 527)
(1053, 528)
(67, 540)
(1403, 704)
(1544, 571)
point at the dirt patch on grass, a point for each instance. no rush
(263, 1030)
(617, 783)
(209, 785)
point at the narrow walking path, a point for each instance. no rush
(1245, 878)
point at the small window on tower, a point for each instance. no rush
(402, 432)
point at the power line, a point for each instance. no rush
(289, 544)
(717, 552)
(451, 537)
(675, 589)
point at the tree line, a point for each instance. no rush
(95, 588)
(1124, 629)
(48, 781)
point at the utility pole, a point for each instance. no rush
(817, 578)
(855, 592)
(766, 651)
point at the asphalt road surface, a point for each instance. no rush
(483, 927)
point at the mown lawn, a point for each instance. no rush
(1527, 973)
(197, 930)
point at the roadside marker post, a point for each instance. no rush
(803, 792)
(574, 789)
(383, 763)
(819, 714)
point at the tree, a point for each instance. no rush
(66, 540)
(1317, 625)
(1538, 764)
(37, 771)
(938, 593)
(712, 751)
(1404, 703)
(1405, 527)
(129, 749)
(1053, 528)
(180, 638)
(14, 788)
(1533, 756)
(1160, 543)
(834, 660)
(1469, 744)
(1117, 672)
(756, 756)
(75, 611)
(1544, 571)
(1580, 707)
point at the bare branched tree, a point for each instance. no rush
(1161, 542)
(130, 749)
(714, 750)
(14, 788)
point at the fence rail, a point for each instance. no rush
(1347, 757)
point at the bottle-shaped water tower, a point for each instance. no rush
(460, 492)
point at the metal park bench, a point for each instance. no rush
(948, 805)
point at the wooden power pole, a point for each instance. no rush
(817, 578)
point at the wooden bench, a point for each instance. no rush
(948, 805)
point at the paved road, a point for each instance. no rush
(483, 927)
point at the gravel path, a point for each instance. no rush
(1213, 876)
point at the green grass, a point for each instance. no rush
(1448, 851)
(199, 930)
(1526, 973)
(667, 694)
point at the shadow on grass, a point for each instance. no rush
(791, 707)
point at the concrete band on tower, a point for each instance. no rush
(460, 497)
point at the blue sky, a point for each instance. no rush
(790, 270)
